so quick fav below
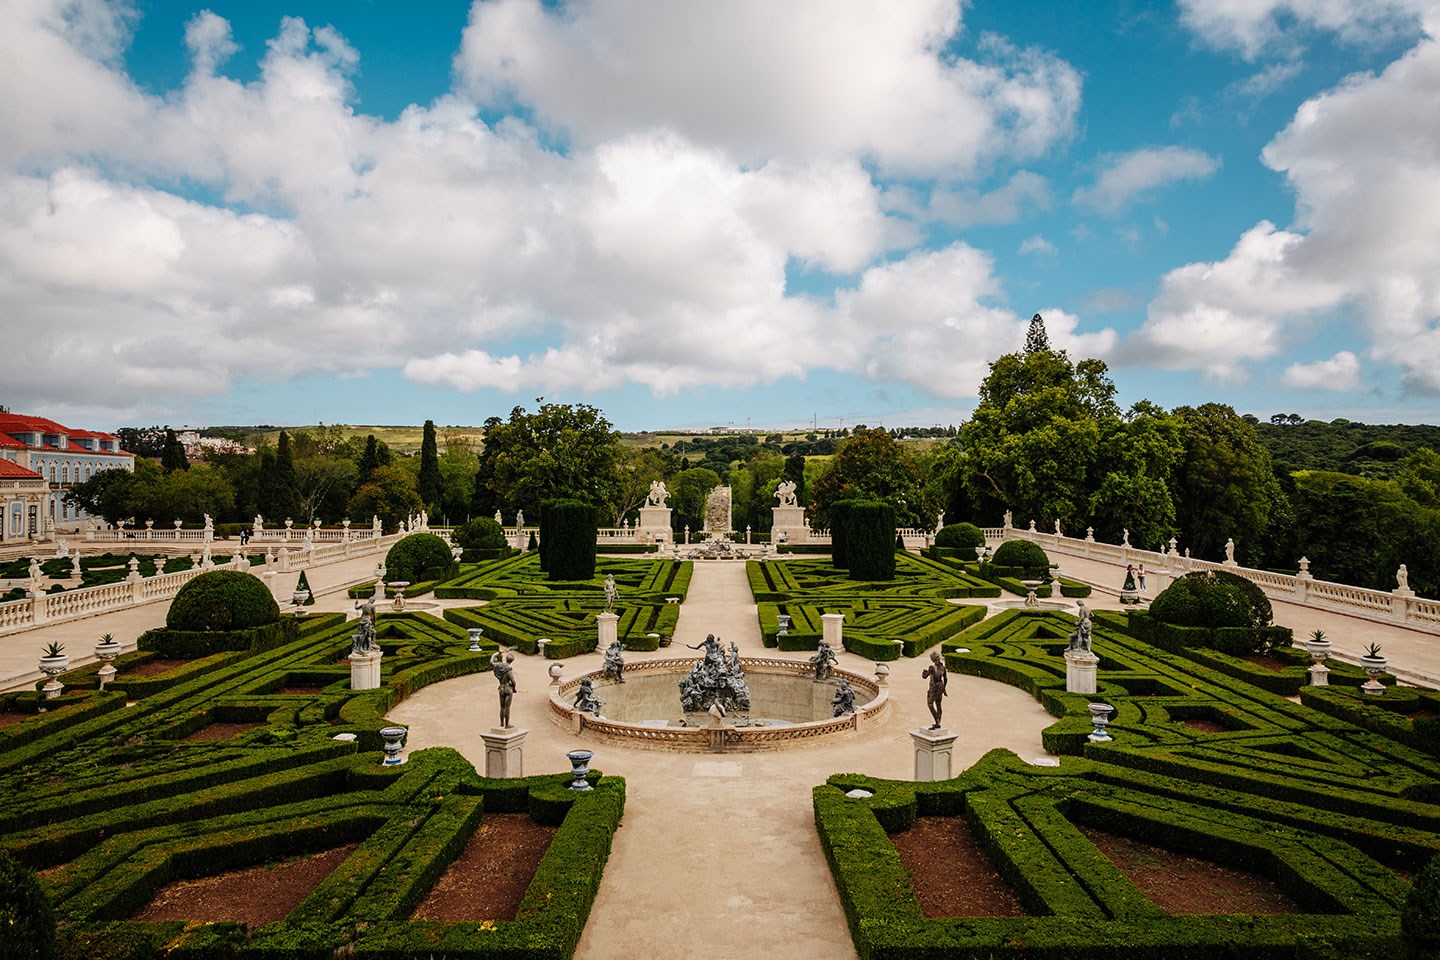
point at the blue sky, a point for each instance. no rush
(694, 214)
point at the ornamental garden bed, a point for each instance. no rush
(253, 895)
(951, 874)
(489, 878)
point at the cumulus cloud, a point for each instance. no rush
(1037, 244)
(1253, 27)
(1340, 373)
(1127, 176)
(1364, 162)
(761, 79)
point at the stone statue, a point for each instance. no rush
(1080, 638)
(1402, 578)
(1057, 527)
(614, 663)
(936, 692)
(259, 522)
(519, 519)
(658, 494)
(786, 493)
(209, 522)
(1009, 519)
(844, 700)
(364, 639)
(716, 680)
(1125, 536)
(823, 661)
(504, 672)
(940, 522)
(1230, 550)
(499, 519)
(62, 548)
(586, 700)
(35, 571)
(610, 592)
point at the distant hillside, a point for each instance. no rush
(1364, 449)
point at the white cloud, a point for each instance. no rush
(1038, 244)
(1253, 27)
(1267, 80)
(760, 79)
(1022, 194)
(1364, 162)
(1341, 373)
(1129, 175)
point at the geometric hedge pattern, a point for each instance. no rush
(112, 803)
(1336, 815)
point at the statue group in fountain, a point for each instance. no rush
(716, 680)
(824, 661)
(614, 663)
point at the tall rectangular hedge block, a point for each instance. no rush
(870, 540)
(567, 539)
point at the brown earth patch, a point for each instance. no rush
(489, 878)
(8, 718)
(1269, 663)
(951, 875)
(1205, 726)
(220, 731)
(1181, 884)
(255, 895)
(151, 668)
(302, 691)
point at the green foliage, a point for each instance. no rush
(284, 494)
(688, 490)
(1420, 918)
(481, 533)
(1359, 531)
(390, 494)
(567, 537)
(961, 537)
(1223, 487)
(27, 919)
(1023, 554)
(839, 513)
(1212, 598)
(873, 466)
(870, 540)
(419, 557)
(561, 450)
(172, 457)
(222, 600)
(429, 483)
(304, 584)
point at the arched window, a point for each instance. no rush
(53, 471)
(65, 473)
(87, 471)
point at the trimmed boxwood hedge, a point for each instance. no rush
(870, 540)
(839, 550)
(27, 919)
(567, 539)
(420, 557)
(963, 538)
(1028, 556)
(1212, 599)
(222, 600)
(189, 644)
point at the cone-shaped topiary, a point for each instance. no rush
(304, 584)
(1212, 598)
(419, 557)
(27, 919)
(870, 540)
(567, 536)
(222, 600)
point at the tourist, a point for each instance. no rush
(1140, 575)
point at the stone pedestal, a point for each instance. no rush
(932, 754)
(606, 622)
(504, 752)
(365, 671)
(1080, 671)
(833, 630)
(791, 522)
(379, 591)
(654, 522)
(1319, 675)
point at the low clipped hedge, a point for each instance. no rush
(189, 644)
(420, 557)
(27, 919)
(222, 600)
(1235, 641)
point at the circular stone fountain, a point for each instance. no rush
(787, 706)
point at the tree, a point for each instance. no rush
(390, 495)
(636, 468)
(795, 472)
(1036, 339)
(688, 490)
(284, 494)
(457, 479)
(431, 485)
(172, 457)
(1223, 486)
(106, 494)
(873, 466)
(375, 456)
(561, 450)
(1137, 458)
(324, 485)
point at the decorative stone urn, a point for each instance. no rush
(394, 738)
(579, 768)
(106, 651)
(474, 639)
(1374, 664)
(53, 663)
(556, 669)
(1319, 648)
(1100, 717)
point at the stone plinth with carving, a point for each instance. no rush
(1080, 668)
(791, 522)
(504, 752)
(365, 670)
(654, 523)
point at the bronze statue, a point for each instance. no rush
(505, 676)
(933, 696)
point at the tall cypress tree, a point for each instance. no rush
(284, 495)
(795, 472)
(172, 455)
(369, 460)
(431, 488)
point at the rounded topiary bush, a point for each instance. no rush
(27, 919)
(222, 600)
(1212, 598)
(482, 533)
(1420, 916)
(1021, 553)
(959, 536)
(419, 557)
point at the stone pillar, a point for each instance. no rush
(1080, 671)
(932, 754)
(654, 522)
(791, 522)
(833, 629)
(365, 670)
(606, 622)
(504, 752)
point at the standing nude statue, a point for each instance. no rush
(933, 696)
(505, 676)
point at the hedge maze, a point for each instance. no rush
(912, 608)
(1203, 762)
(110, 801)
(524, 607)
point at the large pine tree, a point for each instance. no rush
(431, 487)
(369, 460)
(172, 456)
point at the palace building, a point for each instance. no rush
(39, 460)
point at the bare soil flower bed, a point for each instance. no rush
(951, 875)
(302, 691)
(220, 731)
(1180, 884)
(489, 878)
(153, 668)
(1205, 726)
(8, 718)
(255, 895)
(1262, 660)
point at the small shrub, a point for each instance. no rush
(959, 536)
(482, 533)
(222, 600)
(1212, 598)
(419, 557)
(27, 919)
(304, 584)
(1022, 553)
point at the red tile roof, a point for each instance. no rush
(8, 441)
(9, 468)
(19, 423)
